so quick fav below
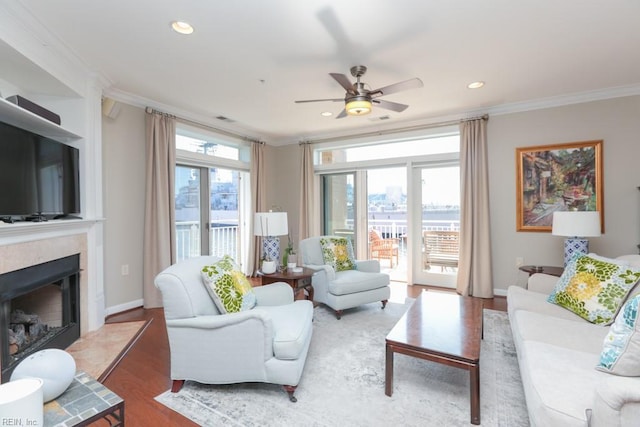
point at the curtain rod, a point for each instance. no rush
(150, 110)
(392, 131)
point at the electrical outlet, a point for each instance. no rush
(124, 269)
(519, 261)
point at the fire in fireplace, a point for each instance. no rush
(39, 308)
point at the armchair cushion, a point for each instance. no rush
(228, 286)
(338, 253)
(350, 282)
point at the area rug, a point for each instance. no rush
(97, 352)
(343, 382)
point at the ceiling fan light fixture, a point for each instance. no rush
(358, 107)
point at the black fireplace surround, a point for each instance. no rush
(63, 272)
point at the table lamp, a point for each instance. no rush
(575, 226)
(270, 225)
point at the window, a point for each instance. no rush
(211, 190)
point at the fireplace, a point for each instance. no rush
(39, 308)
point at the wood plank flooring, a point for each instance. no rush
(143, 372)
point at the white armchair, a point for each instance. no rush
(268, 343)
(344, 289)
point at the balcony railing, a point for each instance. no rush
(223, 239)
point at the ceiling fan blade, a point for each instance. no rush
(393, 106)
(397, 87)
(344, 82)
(320, 100)
(342, 114)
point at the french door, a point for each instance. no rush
(207, 211)
(436, 224)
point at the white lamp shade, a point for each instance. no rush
(576, 223)
(270, 224)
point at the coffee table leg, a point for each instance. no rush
(388, 372)
(474, 385)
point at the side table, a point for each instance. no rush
(546, 269)
(297, 281)
(85, 401)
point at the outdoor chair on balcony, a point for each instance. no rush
(441, 248)
(267, 343)
(380, 248)
(342, 282)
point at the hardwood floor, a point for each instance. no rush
(143, 372)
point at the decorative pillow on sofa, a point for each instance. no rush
(621, 351)
(594, 289)
(228, 286)
(338, 253)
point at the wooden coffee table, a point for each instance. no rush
(301, 280)
(444, 328)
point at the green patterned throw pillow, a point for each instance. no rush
(621, 350)
(594, 289)
(228, 286)
(338, 253)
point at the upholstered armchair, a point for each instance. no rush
(380, 248)
(341, 289)
(267, 343)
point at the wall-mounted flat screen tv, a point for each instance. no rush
(38, 175)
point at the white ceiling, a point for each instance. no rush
(248, 60)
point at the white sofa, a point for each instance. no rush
(557, 353)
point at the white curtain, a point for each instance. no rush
(308, 223)
(258, 201)
(474, 266)
(159, 215)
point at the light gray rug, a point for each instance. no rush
(343, 382)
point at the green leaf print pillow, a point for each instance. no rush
(594, 289)
(228, 286)
(338, 253)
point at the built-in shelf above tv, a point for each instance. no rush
(17, 116)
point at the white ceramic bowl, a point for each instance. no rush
(55, 367)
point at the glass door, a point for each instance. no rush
(387, 219)
(207, 211)
(436, 246)
(339, 206)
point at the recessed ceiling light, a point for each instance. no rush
(475, 85)
(182, 27)
(326, 114)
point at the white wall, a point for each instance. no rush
(615, 121)
(124, 181)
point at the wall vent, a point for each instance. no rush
(380, 118)
(225, 119)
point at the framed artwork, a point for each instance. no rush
(560, 177)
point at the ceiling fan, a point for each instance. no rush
(359, 100)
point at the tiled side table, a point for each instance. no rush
(85, 401)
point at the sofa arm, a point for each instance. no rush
(617, 402)
(542, 283)
(368, 266)
(278, 293)
(330, 272)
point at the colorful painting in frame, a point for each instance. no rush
(560, 177)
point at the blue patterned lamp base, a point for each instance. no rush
(271, 248)
(574, 247)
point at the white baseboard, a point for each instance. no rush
(123, 307)
(500, 292)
